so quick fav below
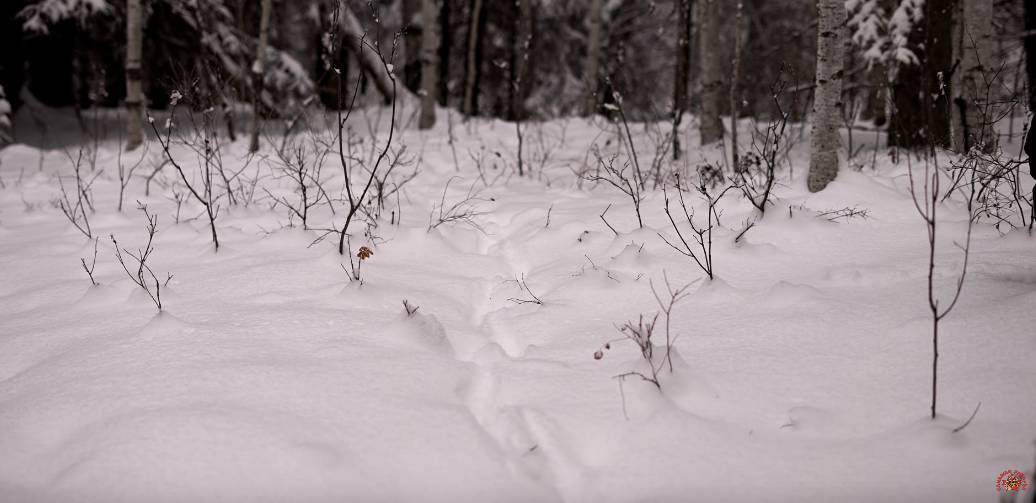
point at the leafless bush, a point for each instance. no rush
(622, 178)
(141, 273)
(93, 264)
(409, 308)
(701, 235)
(847, 213)
(126, 174)
(994, 183)
(755, 174)
(76, 208)
(201, 190)
(386, 185)
(532, 298)
(926, 199)
(464, 210)
(643, 331)
(356, 196)
(302, 164)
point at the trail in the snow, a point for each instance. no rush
(529, 454)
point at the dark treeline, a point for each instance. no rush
(72, 53)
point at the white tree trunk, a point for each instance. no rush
(974, 52)
(593, 57)
(827, 102)
(258, 70)
(711, 73)
(429, 63)
(134, 91)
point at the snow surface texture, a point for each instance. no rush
(802, 373)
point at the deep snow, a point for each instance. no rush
(802, 373)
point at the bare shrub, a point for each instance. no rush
(201, 190)
(464, 211)
(643, 331)
(701, 233)
(93, 264)
(301, 163)
(76, 207)
(141, 273)
(528, 296)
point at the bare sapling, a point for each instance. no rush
(93, 264)
(621, 177)
(302, 166)
(201, 190)
(126, 174)
(643, 332)
(926, 197)
(462, 211)
(76, 208)
(355, 194)
(701, 234)
(756, 172)
(141, 273)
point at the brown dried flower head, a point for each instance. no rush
(364, 253)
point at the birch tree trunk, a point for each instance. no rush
(827, 103)
(593, 57)
(682, 74)
(353, 36)
(973, 52)
(711, 73)
(258, 71)
(471, 74)
(5, 120)
(134, 91)
(429, 64)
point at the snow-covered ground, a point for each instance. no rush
(801, 373)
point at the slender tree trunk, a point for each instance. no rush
(429, 62)
(711, 73)
(353, 37)
(445, 44)
(258, 71)
(593, 57)
(827, 103)
(471, 75)
(735, 77)
(134, 91)
(520, 58)
(973, 54)
(682, 75)
(414, 24)
(1030, 55)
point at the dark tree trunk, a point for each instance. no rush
(682, 75)
(445, 44)
(1030, 51)
(473, 72)
(520, 44)
(921, 93)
